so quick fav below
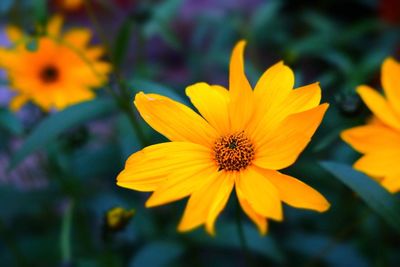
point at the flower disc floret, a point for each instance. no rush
(233, 152)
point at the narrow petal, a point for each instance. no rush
(280, 149)
(391, 82)
(258, 219)
(379, 106)
(9, 60)
(54, 26)
(392, 183)
(371, 138)
(78, 38)
(17, 102)
(298, 100)
(95, 52)
(13, 33)
(379, 163)
(182, 183)
(296, 193)
(174, 120)
(212, 103)
(240, 91)
(260, 193)
(205, 204)
(149, 168)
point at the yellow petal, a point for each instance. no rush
(392, 183)
(174, 120)
(379, 163)
(78, 38)
(273, 87)
(280, 149)
(379, 106)
(101, 69)
(258, 219)
(9, 59)
(17, 102)
(260, 193)
(370, 138)
(95, 52)
(298, 100)
(54, 26)
(212, 103)
(182, 183)
(14, 33)
(240, 91)
(205, 204)
(295, 192)
(147, 169)
(391, 82)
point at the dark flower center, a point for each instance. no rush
(233, 152)
(49, 74)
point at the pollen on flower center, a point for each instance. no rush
(233, 152)
(49, 74)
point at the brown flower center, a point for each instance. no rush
(233, 152)
(49, 74)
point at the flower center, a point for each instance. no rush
(233, 152)
(49, 74)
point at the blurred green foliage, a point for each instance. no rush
(161, 47)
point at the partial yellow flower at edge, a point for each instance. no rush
(379, 139)
(240, 139)
(62, 71)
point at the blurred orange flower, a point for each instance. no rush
(241, 140)
(59, 70)
(379, 140)
(70, 5)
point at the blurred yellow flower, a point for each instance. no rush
(379, 140)
(59, 71)
(241, 139)
(117, 218)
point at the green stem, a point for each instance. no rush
(124, 91)
(65, 237)
(241, 234)
(135, 124)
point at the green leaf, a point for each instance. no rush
(122, 42)
(157, 254)
(51, 127)
(160, 23)
(10, 123)
(373, 194)
(128, 140)
(331, 251)
(40, 11)
(265, 16)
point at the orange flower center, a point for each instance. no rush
(49, 74)
(233, 152)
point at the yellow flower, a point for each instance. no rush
(61, 70)
(241, 139)
(379, 140)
